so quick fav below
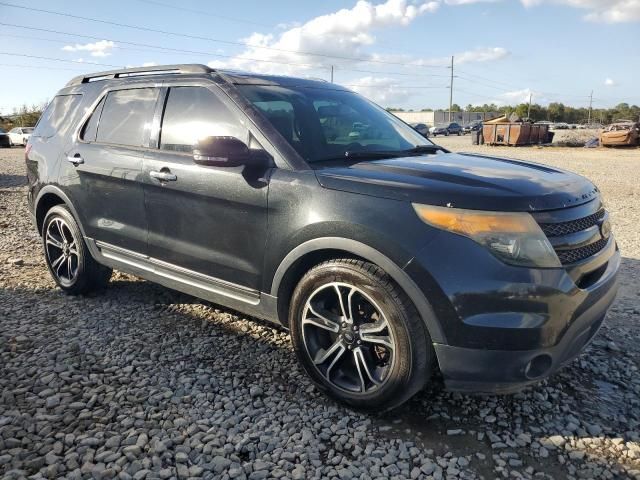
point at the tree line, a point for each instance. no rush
(554, 112)
(25, 116)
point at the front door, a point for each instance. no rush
(207, 220)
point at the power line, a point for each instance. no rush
(60, 59)
(78, 62)
(158, 47)
(549, 94)
(203, 12)
(198, 37)
(392, 73)
(197, 52)
(17, 65)
(399, 86)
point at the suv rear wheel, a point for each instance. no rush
(68, 258)
(358, 335)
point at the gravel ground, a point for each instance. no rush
(143, 382)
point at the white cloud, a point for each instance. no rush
(468, 2)
(101, 48)
(384, 91)
(608, 11)
(517, 96)
(344, 33)
(609, 82)
(477, 55)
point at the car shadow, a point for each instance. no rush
(8, 180)
(589, 400)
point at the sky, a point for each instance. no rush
(396, 52)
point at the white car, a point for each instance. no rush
(20, 135)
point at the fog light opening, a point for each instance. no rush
(538, 366)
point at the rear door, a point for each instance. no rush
(103, 169)
(207, 220)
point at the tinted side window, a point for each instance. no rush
(90, 129)
(127, 116)
(193, 113)
(60, 110)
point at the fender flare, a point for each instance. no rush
(59, 193)
(374, 256)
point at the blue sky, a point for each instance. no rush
(393, 51)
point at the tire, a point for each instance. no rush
(383, 332)
(77, 273)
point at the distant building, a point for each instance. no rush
(440, 117)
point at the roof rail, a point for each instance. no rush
(140, 71)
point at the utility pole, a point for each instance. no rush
(331, 73)
(451, 90)
(529, 109)
(590, 106)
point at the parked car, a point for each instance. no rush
(449, 129)
(621, 133)
(421, 128)
(384, 258)
(559, 126)
(454, 129)
(20, 135)
(5, 142)
(439, 130)
(472, 127)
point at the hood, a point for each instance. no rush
(462, 181)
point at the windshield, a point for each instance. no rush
(27, 130)
(325, 124)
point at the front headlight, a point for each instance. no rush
(514, 238)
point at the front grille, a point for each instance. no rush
(568, 255)
(573, 226)
(580, 253)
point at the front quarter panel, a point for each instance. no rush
(301, 210)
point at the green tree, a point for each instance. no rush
(556, 111)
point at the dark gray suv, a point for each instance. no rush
(302, 203)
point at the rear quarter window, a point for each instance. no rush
(126, 116)
(58, 115)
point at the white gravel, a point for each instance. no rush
(143, 382)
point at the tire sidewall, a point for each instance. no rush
(400, 374)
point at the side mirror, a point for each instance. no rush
(221, 152)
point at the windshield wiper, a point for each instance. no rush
(381, 154)
(363, 155)
(418, 149)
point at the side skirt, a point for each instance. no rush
(245, 300)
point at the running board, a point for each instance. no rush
(174, 276)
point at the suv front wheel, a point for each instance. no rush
(68, 258)
(358, 335)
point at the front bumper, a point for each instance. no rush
(506, 327)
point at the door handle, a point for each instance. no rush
(75, 160)
(163, 176)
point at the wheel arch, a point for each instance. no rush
(308, 254)
(49, 197)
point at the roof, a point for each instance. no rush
(235, 77)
